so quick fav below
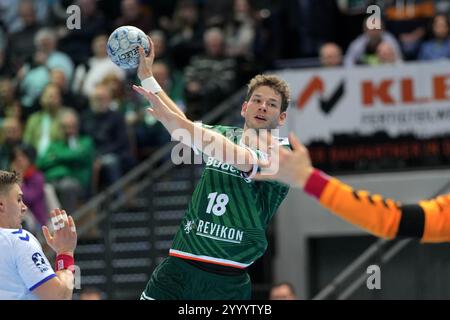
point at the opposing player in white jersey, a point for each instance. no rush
(25, 272)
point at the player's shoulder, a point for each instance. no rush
(5, 238)
(17, 237)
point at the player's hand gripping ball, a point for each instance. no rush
(123, 46)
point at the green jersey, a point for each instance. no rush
(228, 214)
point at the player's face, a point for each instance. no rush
(13, 208)
(263, 110)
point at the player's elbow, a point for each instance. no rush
(58, 288)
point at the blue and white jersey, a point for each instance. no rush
(23, 265)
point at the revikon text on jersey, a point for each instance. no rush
(215, 231)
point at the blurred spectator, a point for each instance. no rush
(122, 101)
(135, 14)
(351, 16)
(150, 133)
(240, 30)
(67, 164)
(91, 73)
(77, 101)
(91, 293)
(386, 54)
(47, 41)
(3, 38)
(57, 14)
(11, 137)
(121, 97)
(217, 12)
(268, 43)
(20, 43)
(171, 82)
(44, 126)
(438, 46)
(442, 6)
(160, 46)
(5, 68)
(407, 21)
(162, 12)
(22, 161)
(35, 77)
(204, 92)
(11, 16)
(9, 105)
(282, 291)
(307, 24)
(363, 49)
(330, 55)
(164, 56)
(108, 130)
(77, 42)
(186, 33)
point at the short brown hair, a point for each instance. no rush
(8, 179)
(274, 82)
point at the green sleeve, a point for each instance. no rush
(48, 160)
(29, 130)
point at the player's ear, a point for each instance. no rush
(282, 118)
(244, 109)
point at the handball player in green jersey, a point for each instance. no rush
(224, 229)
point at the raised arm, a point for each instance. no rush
(208, 141)
(63, 242)
(145, 74)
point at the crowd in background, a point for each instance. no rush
(68, 118)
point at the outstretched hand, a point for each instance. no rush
(159, 109)
(292, 167)
(64, 238)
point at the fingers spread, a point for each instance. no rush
(72, 224)
(53, 213)
(153, 98)
(55, 223)
(65, 220)
(140, 90)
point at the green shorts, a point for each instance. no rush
(175, 279)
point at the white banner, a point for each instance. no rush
(407, 98)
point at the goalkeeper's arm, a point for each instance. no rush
(426, 220)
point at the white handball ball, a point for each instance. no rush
(123, 46)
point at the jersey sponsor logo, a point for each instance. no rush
(39, 262)
(226, 168)
(218, 232)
